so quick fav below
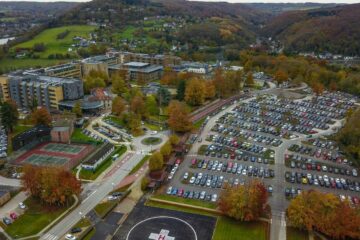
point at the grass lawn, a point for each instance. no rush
(152, 127)
(90, 175)
(103, 208)
(54, 45)
(229, 229)
(139, 165)
(89, 235)
(33, 220)
(115, 120)
(20, 128)
(11, 64)
(296, 234)
(198, 124)
(84, 222)
(178, 208)
(194, 202)
(151, 141)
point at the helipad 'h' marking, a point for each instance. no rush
(163, 235)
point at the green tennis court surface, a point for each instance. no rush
(63, 148)
(46, 160)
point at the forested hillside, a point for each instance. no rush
(334, 29)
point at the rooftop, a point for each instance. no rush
(136, 64)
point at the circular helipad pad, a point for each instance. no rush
(162, 228)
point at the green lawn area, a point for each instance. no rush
(103, 208)
(194, 202)
(296, 234)
(89, 235)
(11, 64)
(33, 220)
(139, 165)
(20, 128)
(151, 203)
(151, 141)
(84, 222)
(115, 120)
(229, 229)
(198, 124)
(54, 45)
(90, 175)
(152, 127)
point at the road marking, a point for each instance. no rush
(49, 236)
(89, 196)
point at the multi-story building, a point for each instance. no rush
(30, 90)
(99, 63)
(139, 71)
(158, 59)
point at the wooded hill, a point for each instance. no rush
(334, 29)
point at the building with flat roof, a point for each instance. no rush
(153, 59)
(98, 157)
(99, 63)
(140, 71)
(68, 70)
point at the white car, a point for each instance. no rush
(153, 132)
(70, 237)
(169, 191)
(214, 198)
(111, 198)
(22, 205)
(186, 175)
(192, 180)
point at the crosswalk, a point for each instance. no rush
(49, 236)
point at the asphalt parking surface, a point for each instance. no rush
(144, 222)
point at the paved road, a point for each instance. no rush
(94, 192)
(100, 191)
(10, 182)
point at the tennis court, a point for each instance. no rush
(55, 154)
(46, 160)
(63, 148)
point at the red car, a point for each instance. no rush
(232, 156)
(13, 216)
(180, 192)
(178, 161)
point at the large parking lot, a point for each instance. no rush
(276, 140)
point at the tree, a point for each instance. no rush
(313, 210)
(50, 185)
(169, 77)
(156, 161)
(151, 105)
(119, 86)
(9, 115)
(349, 137)
(180, 92)
(244, 202)
(77, 109)
(135, 124)
(195, 92)
(318, 88)
(138, 107)
(250, 79)
(166, 150)
(118, 106)
(163, 96)
(39, 47)
(210, 90)
(281, 76)
(41, 116)
(174, 139)
(179, 118)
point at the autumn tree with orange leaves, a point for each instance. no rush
(179, 117)
(51, 186)
(324, 212)
(244, 202)
(41, 116)
(318, 88)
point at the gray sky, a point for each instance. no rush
(265, 1)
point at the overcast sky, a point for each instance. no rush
(266, 1)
